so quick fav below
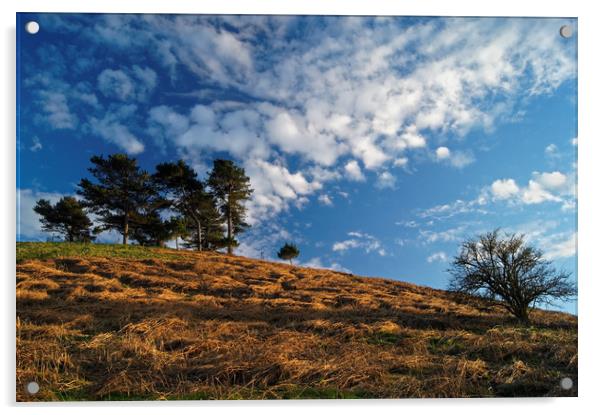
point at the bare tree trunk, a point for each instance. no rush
(522, 314)
(177, 246)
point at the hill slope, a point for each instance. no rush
(111, 322)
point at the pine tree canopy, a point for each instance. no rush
(179, 183)
(66, 217)
(121, 194)
(289, 252)
(231, 187)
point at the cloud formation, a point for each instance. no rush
(360, 240)
(309, 104)
(543, 187)
(347, 103)
(504, 189)
(437, 257)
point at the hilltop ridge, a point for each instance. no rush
(111, 322)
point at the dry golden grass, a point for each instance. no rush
(211, 326)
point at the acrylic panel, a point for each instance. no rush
(295, 207)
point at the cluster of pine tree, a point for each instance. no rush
(151, 209)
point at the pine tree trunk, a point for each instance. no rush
(126, 228)
(199, 236)
(229, 227)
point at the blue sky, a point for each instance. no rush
(375, 144)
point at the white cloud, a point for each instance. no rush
(545, 234)
(546, 187)
(569, 205)
(442, 153)
(504, 188)
(354, 172)
(457, 207)
(205, 129)
(553, 180)
(561, 246)
(325, 200)
(147, 80)
(408, 223)
(536, 193)
(412, 138)
(289, 133)
(36, 146)
(386, 180)
(437, 257)
(322, 174)
(265, 241)
(360, 240)
(210, 52)
(275, 187)
(401, 162)
(543, 187)
(448, 235)
(345, 245)
(115, 84)
(164, 123)
(316, 262)
(574, 141)
(115, 132)
(461, 159)
(369, 152)
(56, 109)
(280, 181)
(456, 158)
(551, 151)
(135, 83)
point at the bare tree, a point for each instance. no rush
(507, 269)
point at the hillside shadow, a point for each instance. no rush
(111, 314)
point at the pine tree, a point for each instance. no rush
(179, 184)
(288, 252)
(151, 230)
(148, 227)
(121, 193)
(66, 217)
(178, 228)
(212, 230)
(231, 187)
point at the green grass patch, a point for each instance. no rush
(78, 395)
(381, 338)
(72, 395)
(53, 250)
(446, 345)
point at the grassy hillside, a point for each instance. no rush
(110, 322)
